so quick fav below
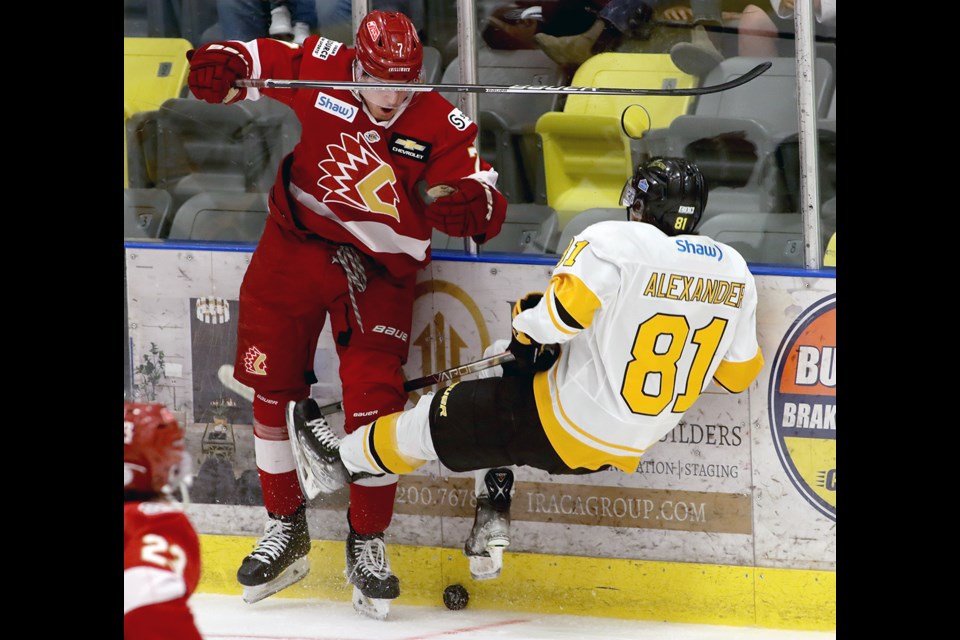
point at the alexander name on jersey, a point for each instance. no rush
(676, 286)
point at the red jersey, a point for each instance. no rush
(353, 179)
(161, 569)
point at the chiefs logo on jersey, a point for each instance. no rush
(356, 176)
(255, 362)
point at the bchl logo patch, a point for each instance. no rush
(326, 48)
(374, 30)
(410, 147)
(255, 362)
(459, 119)
(803, 405)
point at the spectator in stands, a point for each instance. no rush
(617, 22)
(760, 33)
(294, 20)
(245, 20)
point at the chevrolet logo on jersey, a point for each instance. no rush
(410, 147)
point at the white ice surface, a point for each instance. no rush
(222, 617)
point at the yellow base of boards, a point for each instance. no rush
(604, 587)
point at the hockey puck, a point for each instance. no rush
(455, 597)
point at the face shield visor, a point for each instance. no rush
(631, 198)
(383, 98)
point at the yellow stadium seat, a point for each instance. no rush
(586, 155)
(830, 256)
(154, 70)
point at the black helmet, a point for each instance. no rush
(669, 193)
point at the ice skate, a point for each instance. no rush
(279, 559)
(491, 526)
(316, 450)
(368, 570)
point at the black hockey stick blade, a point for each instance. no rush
(440, 376)
(266, 83)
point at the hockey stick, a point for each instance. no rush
(225, 375)
(438, 377)
(266, 83)
(312, 482)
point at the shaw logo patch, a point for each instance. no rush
(255, 362)
(339, 108)
(803, 405)
(410, 147)
(685, 246)
(326, 48)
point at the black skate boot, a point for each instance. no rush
(316, 450)
(491, 526)
(279, 559)
(368, 570)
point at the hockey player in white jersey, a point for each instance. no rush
(638, 318)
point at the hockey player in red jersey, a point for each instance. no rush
(346, 234)
(161, 551)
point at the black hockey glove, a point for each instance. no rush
(531, 356)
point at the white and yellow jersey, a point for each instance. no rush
(656, 318)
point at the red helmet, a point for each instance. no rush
(389, 48)
(154, 452)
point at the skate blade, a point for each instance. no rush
(308, 482)
(307, 462)
(487, 567)
(376, 608)
(294, 573)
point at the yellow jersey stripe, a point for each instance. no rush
(737, 376)
(385, 445)
(576, 297)
(366, 448)
(572, 451)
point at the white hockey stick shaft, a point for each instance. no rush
(440, 376)
(267, 83)
(225, 374)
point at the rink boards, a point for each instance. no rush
(731, 518)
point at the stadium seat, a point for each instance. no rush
(770, 238)
(213, 147)
(432, 65)
(154, 69)
(221, 216)
(586, 155)
(584, 219)
(732, 134)
(507, 120)
(145, 212)
(528, 228)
